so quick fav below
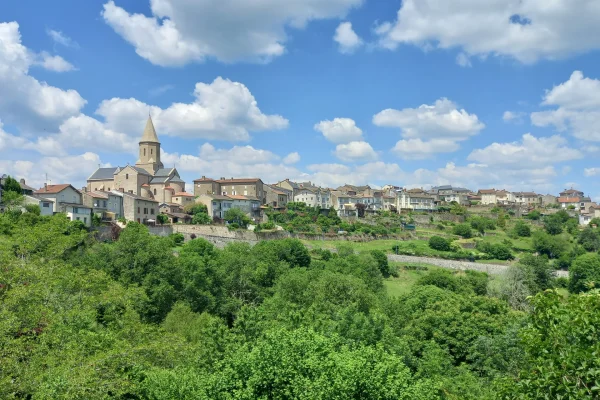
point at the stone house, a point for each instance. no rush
(291, 188)
(137, 208)
(488, 196)
(548, 199)
(252, 187)
(276, 197)
(97, 201)
(527, 198)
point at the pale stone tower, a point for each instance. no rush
(149, 158)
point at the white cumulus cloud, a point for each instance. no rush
(182, 31)
(577, 109)
(347, 40)
(340, 130)
(525, 30)
(355, 151)
(291, 158)
(222, 110)
(25, 101)
(430, 129)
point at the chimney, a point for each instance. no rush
(203, 176)
(222, 178)
(84, 189)
(45, 187)
(22, 181)
(122, 190)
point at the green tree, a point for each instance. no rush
(584, 273)
(236, 216)
(522, 229)
(551, 246)
(201, 219)
(553, 224)
(463, 230)
(33, 209)
(196, 208)
(589, 238)
(382, 262)
(439, 243)
(533, 215)
(12, 185)
(560, 351)
(162, 219)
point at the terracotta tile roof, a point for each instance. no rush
(53, 188)
(96, 195)
(568, 200)
(487, 191)
(184, 194)
(204, 179)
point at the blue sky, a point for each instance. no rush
(414, 93)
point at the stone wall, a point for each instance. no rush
(437, 217)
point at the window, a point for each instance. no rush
(138, 212)
(138, 218)
(126, 176)
(104, 202)
(155, 192)
(131, 191)
(145, 210)
(152, 211)
(85, 220)
(45, 205)
(150, 151)
(77, 218)
(76, 211)
(144, 152)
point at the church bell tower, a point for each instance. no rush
(149, 158)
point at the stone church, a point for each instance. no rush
(148, 178)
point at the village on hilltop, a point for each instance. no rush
(146, 190)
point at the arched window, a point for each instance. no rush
(155, 192)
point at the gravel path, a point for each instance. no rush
(492, 269)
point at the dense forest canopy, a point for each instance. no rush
(134, 319)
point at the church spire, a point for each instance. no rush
(149, 132)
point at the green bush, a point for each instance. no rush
(521, 229)
(439, 243)
(382, 262)
(177, 238)
(463, 230)
(201, 219)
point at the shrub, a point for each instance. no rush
(463, 230)
(441, 227)
(521, 229)
(33, 209)
(177, 238)
(201, 219)
(439, 243)
(443, 279)
(589, 238)
(533, 215)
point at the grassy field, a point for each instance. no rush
(406, 279)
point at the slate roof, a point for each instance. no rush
(103, 174)
(149, 134)
(163, 172)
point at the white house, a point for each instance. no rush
(46, 205)
(77, 212)
(414, 199)
(63, 193)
